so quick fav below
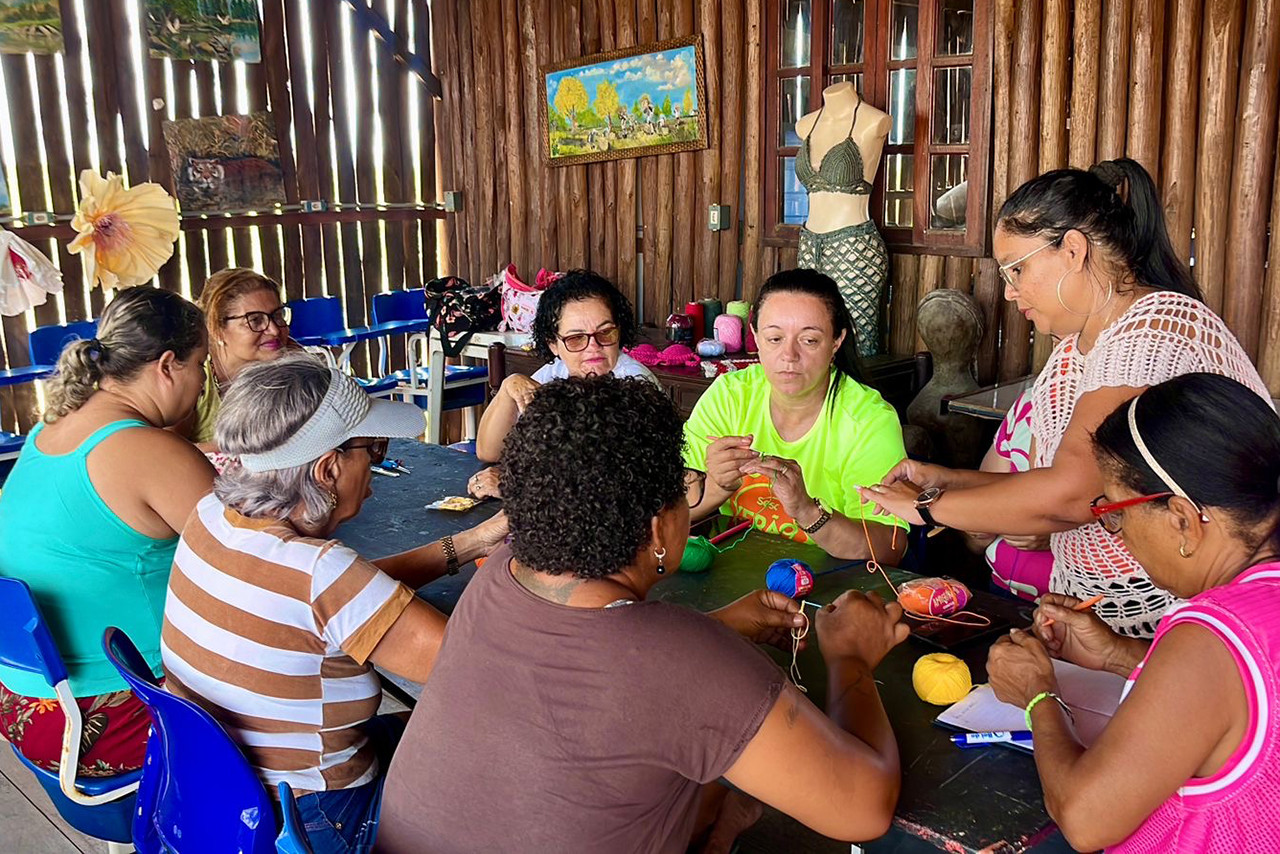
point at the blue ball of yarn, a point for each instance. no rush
(789, 577)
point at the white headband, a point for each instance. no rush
(1150, 458)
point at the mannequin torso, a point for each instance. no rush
(829, 127)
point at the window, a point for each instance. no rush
(927, 63)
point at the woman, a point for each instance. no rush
(90, 515)
(785, 443)
(1087, 258)
(582, 324)
(570, 713)
(247, 323)
(1191, 472)
(273, 627)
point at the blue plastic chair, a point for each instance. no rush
(47, 342)
(198, 792)
(399, 305)
(293, 837)
(101, 807)
(315, 316)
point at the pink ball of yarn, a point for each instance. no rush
(729, 330)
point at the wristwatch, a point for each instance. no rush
(450, 556)
(823, 518)
(924, 501)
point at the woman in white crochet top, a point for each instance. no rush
(1087, 258)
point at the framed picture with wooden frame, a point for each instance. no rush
(649, 99)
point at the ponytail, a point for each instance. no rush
(79, 369)
(1116, 206)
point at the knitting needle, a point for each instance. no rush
(1083, 606)
(736, 529)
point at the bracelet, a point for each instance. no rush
(450, 556)
(1048, 695)
(822, 519)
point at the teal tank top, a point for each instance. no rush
(86, 568)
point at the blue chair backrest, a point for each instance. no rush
(315, 316)
(198, 792)
(400, 305)
(46, 342)
(25, 640)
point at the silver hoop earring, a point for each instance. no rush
(661, 555)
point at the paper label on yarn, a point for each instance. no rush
(1093, 696)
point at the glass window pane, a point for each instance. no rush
(847, 31)
(952, 88)
(794, 93)
(948, 190)
(795, 199)
(955, 28)
(899, 195)
(902, 106)
(905, 20)
(855, 79)
(797, 26)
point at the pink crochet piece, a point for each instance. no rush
(674, 355)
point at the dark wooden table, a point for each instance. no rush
(986, 799)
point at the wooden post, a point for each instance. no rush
(730, 142)
(902, 304)
(988, 292)
(685, 219)
(571, 10)
(1113, 88)
(1054, 82)
(1181, 105)
(628, 274)
(929, 280)
(548, 178)
(1220, 69)
(752, 178)
(706, 242)
(608, 172)
(594, 172)
(481, 105)
(495, 72)
(1146, 69)
(1251, 178)
(1269, 339)
(1084, 83)
(1002, 95)
(653, 173)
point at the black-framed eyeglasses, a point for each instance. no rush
(377, 448)
(257, 321)
(577, 342)
(695, 485)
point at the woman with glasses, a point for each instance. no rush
(274, 627)
(786, 443)
(247, 323)
(1086, 256)
(1191, 485)
(581, 326)
(571, 711)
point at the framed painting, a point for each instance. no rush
(225, 164)
(222, 30)
(30, 26)
(644, 100)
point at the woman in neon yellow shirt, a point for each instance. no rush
(786, 443)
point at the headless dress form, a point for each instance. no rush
(854, 256)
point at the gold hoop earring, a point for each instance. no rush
(1058, 292)
(1182, 550)
(661, 555)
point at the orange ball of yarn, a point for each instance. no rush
(933, 597)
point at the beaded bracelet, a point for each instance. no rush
(1048, 695)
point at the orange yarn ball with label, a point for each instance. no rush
(933, 597)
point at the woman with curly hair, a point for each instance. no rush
(571, 712)
(582, 324)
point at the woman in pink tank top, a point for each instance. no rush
(1191, 760)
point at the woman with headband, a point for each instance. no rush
(1087, 258)
(1191, 475)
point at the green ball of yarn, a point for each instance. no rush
(699, 554)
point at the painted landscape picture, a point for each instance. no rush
(30, 26)
(225, 163)
(224, 30)
(632, 103)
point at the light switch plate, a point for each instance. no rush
(718, 217)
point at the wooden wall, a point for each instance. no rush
(1187, 87)
(101, 103)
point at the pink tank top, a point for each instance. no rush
(1238, 808)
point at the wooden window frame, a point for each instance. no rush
(974, 239)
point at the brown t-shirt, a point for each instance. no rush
(545, 728)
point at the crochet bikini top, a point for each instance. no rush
(841, 169)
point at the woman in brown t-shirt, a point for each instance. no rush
(567, 713)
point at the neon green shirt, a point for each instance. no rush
(854, 442)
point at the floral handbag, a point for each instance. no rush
(520, 300)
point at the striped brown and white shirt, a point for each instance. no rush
(270, 631)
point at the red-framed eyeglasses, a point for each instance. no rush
(1111, 516)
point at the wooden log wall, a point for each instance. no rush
(353, 123)
(1189, 88)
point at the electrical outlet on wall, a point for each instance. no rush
(718, 217)
(453, 200)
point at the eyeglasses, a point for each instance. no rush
(577, 342)
(377, 449)
(1111, 516)
(1005, 268)
(695, 484)
(257, 321)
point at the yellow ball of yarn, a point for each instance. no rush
(941, 679)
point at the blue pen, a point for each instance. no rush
(1021, 738)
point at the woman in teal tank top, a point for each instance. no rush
(90, 518)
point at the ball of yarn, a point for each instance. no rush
(739, 308)
(789, 577)
(728, 329)
(933, 597)
(941, 679)
(710, 348)
(699, 554)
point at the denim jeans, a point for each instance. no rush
(345, 821)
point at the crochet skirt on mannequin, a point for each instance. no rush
(855, 256)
